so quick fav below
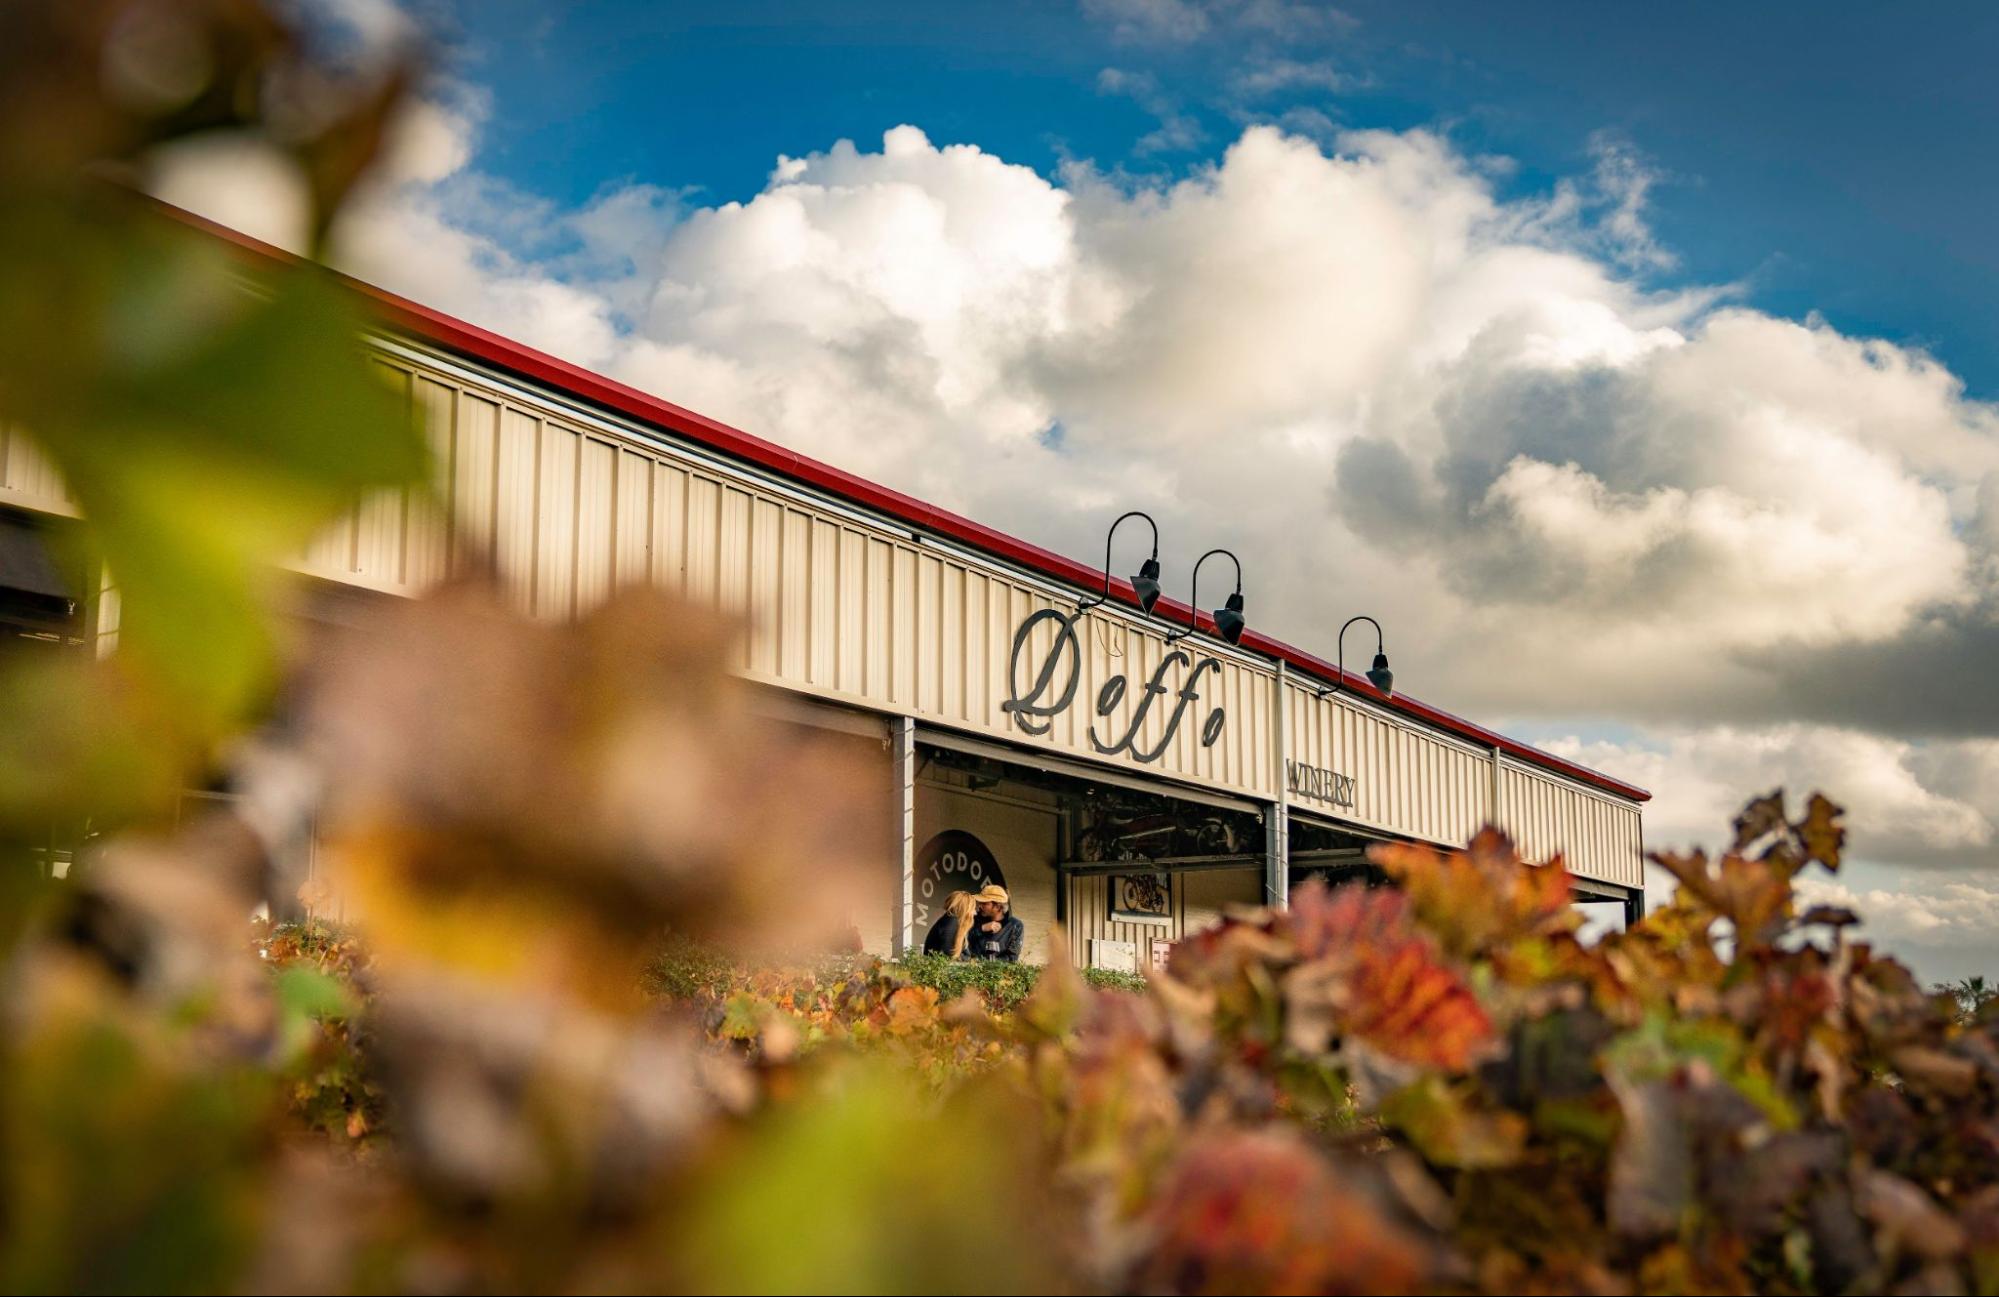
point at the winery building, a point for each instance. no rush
(1120, 785)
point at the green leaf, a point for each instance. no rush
(309, 993)
(1449, 1130)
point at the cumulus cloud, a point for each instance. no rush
(1922, 858)
(1942, 927)
(1773, 546)
(1565, 495)
(1926, 804)
(1166, 21)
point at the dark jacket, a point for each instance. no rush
(943, 938)
(1004, 944)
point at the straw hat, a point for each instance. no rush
(994, 893)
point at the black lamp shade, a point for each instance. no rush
(1380, 676)
(1229, 622)
(1146, 584)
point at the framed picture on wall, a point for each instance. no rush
(1142, 898)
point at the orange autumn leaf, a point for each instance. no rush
(1368, 972)
(1483, 897)
(1755, 896)
(1262, 1212)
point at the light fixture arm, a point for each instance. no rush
(1194, 593)
(1085, 604)
(1340, 667)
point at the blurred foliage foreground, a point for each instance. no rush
(469, 1087)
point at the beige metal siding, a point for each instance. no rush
(475, 475)
(632, 520)
(833, 606)
(27, 479)
(841, 609)
(1597, 836)
(1090, 920)
(864, 614)
(516, 504)
(1200, 899)
(1210, 893)
(1406, 780)
(566, 510)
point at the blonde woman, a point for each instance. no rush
(953, 927)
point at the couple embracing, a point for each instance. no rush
(977, 925)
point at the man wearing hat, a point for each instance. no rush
(996, 934)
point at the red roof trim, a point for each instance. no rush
(435, 327)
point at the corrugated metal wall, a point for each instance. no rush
(1199, 900)
(26, 479)
(567, 507)
(1207, 894)
(835, 607)
(567, 511)
(1599, 837)
(1406, 779)
(1090, 919)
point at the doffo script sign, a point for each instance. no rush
(1054, 679)
(1319, 783)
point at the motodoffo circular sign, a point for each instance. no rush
(953, 861)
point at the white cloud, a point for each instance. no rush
(1163, 21)
(375, 29)
(1177, 130)
(1272, 75)
(1179, 22)
(1564, 495)
(1941, 926)
(238, 180)
(1922, 857)
(1910, 803)
(1388, 390)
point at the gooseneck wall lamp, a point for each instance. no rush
(1229, 621)
(1145, 584)
(1378, 675)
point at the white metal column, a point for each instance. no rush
(1277, 815)
(902, 742)
(1497, 819)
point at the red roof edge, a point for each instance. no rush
(435, 327)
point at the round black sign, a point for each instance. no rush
(953, 861)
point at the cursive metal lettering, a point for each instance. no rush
(1058, 673)
(1029, 710)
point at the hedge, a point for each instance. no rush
(1003, 985)
(685, 970)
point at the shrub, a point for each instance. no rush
(319, 972)
(688, 970)
(1003, 986)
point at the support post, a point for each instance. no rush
(902, 745)
(1494, 818)
(1277, 815)
(1277, 855)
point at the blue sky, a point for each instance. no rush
(1837, 159)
